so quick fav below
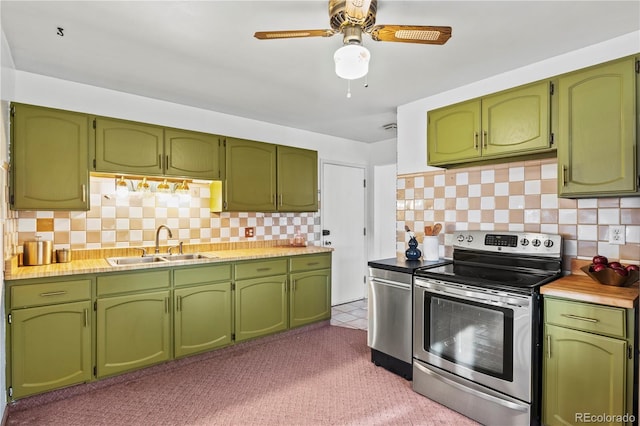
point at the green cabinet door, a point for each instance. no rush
(128, 147)
(516, 121)
(250, 181)
(260, 307)
(50, 347)
(582, 373)
(50, 159)
(297, 179)
(454, 133)
(310, 297)
(133, 331)
(597, 131)
(191, 154)
(202, 318)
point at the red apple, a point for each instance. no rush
(621, 271)
(630, 268)
(598, 267)
(615, 265)
(600, 260)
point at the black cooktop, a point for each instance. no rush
(488, 276)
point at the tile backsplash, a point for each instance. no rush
(517, 196)
(132, 220)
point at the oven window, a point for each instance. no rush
(475, 335)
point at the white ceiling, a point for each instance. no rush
(203, 53)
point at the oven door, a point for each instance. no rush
(482, 335)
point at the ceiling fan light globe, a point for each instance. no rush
(352, 61)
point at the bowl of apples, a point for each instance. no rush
(611, 273)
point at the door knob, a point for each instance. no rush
(327, 243)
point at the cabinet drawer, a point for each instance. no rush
(261, 268)
(50, 293)
(202, 274)
(589, 317)
(310, 262)
(126, 283)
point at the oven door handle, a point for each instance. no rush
(500, 401)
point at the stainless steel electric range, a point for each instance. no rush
(477, 339)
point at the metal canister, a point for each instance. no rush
(63, 255)
(37, 252)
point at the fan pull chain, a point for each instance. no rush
(348, 88)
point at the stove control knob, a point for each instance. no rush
(460, 238)
(536, 242)
(524, 242)
(469, 239)
(548, 243)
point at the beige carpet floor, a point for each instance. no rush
(322, 376)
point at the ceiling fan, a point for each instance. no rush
(351, 18)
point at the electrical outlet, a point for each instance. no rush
(249, 232)
(617, 234)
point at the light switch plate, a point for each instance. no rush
(617, 234)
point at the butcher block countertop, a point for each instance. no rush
(94, 261)
(581, 287)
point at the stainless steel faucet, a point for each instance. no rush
(158, 236)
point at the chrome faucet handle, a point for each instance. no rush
(144, 251)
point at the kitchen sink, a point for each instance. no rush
(157, 258)
(187, 256)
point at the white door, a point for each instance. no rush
(343, 217)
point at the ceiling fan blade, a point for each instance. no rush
(411, 34)
(267, 35)
(357, 10)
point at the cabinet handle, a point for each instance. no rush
(576, 317)
(484, 139)
(160, 161)
(86, 317)
(166, 162)
(565, 171)
(475, 141)
(166, 305)
(263, 269)
(293, 285)
(280, 199)
(179, 304)
(53, 293)
(312, 263)
(84, 193)
(549, 346)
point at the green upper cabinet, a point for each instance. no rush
(506, 124)
(454, 133)
(265, 177)
(250, 181)
(191, 154)
(297, 179)
(128, 147)
(598, 131)
(49, 159)
(143, 149)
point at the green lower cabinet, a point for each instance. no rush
(310, 297)
(50, 347)
(260, 307)
(202, 318)
(133, 331)
(584, 374)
